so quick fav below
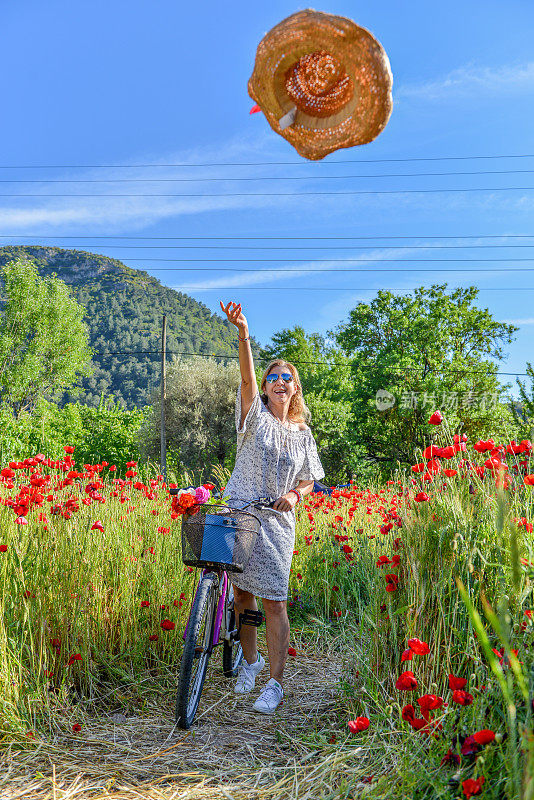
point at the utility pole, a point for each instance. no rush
(163, 450)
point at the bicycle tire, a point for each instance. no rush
(232, 651)
(197, 651)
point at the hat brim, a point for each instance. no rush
(364, 59)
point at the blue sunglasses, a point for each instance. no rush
(287, 377)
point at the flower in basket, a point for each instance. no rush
(202, 495)
(183, 502)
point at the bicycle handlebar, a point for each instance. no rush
(258, 502)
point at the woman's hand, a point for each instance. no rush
(235, 315)
(286, 503)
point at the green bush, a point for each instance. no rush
(108, 432)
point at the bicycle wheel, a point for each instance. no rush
(197, 650)
(232, 651)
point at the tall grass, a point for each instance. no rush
(80, 605)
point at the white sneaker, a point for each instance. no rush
(270, 698)
(246, 677)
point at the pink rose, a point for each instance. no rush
(202, 495)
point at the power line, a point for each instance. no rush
(340, 270)
(287, 194)
(268, 177)
(270, 237)
(331, 289)
(316, 363)
(305, 247)
(266, 163)
(320, 260)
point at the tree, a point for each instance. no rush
(199, 415)
(524, 410)
(421, 352)
(326, 384)
(44, 343)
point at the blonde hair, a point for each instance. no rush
(298, 410)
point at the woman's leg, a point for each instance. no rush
(248, 636)
(277, 624)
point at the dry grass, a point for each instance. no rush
(230, 752)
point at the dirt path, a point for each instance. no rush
(231, 752)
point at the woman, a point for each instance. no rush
(276, 457)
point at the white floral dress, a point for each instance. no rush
(271, 459)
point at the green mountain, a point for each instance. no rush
(124, 314)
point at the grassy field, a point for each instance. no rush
(426, 580)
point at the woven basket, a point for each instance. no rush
(326, 78)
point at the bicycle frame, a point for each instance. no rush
(223, 588)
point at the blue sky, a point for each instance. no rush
(127, 83)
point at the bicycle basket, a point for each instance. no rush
(218, 536)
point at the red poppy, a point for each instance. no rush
(167, 625)
(97, 526)
(144, 604)
(359, 724)
(153, 637)
(421, 497)
(436, 418)
(68, 449)
(291, 651)
(484, 737)
(431, 451)
(450, 473)
(3, 548)
(447, 452)
(255, 109)
(456, 683)
(76, 727)
(528, 480)
(407, 655)
(481, 446)
(450, 758)
(382, 561)
(430, 702)
(408, 713)
(472, 787)
(470, 746)
(420, 648)
(462, 698)
(72, 659)
(392, 582)
(417, 723)
(406, 682)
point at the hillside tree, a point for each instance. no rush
(416, 353)
(44, 343)
(523, 410)
(199, 416)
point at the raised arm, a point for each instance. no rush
(249, 387)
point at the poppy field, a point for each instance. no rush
(426, 579)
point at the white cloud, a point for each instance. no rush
(524, 321)
(471, 80)
(307, 268)
(108, 213)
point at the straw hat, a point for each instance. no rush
(323, 82)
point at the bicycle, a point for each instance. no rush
(219, 539)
